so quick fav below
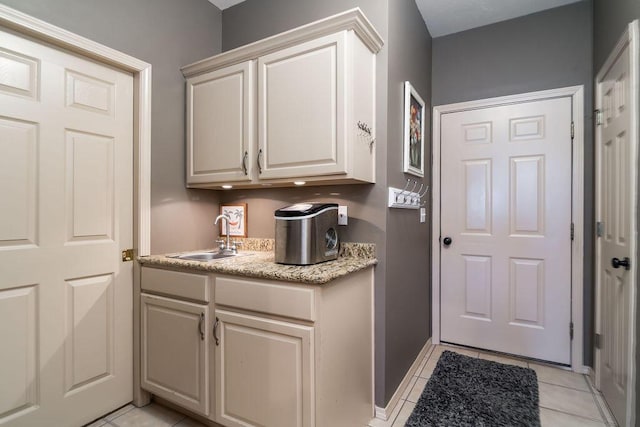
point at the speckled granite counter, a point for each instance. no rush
(259, 263)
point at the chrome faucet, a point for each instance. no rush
(224, 246)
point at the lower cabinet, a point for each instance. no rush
(264, 372)
(257, 352)
(175, 353)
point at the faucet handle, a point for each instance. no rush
(234, 245)
(221, 245)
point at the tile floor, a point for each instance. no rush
(566, 399)
(152, 415)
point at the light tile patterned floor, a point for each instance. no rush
(566, 398)
(152, 415)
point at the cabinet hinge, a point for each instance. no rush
(127, 255)
(598, 117)
(597, 341)
(573, 130)
(571, 330)
(599, 229)
(572, 231)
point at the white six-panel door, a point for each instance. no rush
(616, 165)
(506, 206)
(66, 126)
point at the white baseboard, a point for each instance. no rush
(385, 413)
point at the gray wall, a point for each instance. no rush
(545, 50)
(408, 275)
(402, 307)
(167, 34)
(610, 19)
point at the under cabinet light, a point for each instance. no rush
(299, 182)
(227, 187)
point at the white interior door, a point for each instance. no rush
(66, 132)
(616, 158)
(506, 228)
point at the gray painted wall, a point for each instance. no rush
(408, 275)
(402, 281)
(610, 19)
(167, 34)
(545, 50)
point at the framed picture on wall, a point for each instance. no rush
(413, 131)
(238, 223)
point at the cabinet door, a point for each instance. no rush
(175, 351)
(264, 373)
(220, 132)
(301, 109)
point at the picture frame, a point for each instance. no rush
(238, 224)
(414, 124)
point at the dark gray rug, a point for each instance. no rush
(464, 391)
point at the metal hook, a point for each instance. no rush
(406, 186)
(425, 192)
(415, 184)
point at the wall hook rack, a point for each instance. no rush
(407, 199)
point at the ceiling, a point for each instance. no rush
(451, 16)
(444, 17)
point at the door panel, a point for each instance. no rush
(506, 204)
(66, 133)
(616, 159)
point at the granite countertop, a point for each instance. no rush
(258, 261)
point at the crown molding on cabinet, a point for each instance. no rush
(352, 19)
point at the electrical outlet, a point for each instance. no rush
(423, 215)
(343, 217)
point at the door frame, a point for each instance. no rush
(44, 32)
(631, 37)
(577, 204)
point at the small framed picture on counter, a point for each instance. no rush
(238, 222)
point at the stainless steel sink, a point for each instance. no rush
(205, 256)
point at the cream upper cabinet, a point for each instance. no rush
(220, 134)
(298, 106)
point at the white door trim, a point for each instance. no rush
(631, 37)
(43, 31)
(577, 205)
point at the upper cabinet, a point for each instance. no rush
(298, 106)
(220, 124)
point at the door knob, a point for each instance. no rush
(626, 263)
(447, 241)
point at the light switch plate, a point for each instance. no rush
(343, 217)
(423, 214)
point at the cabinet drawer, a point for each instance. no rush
(176, 283)
(275, 298)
